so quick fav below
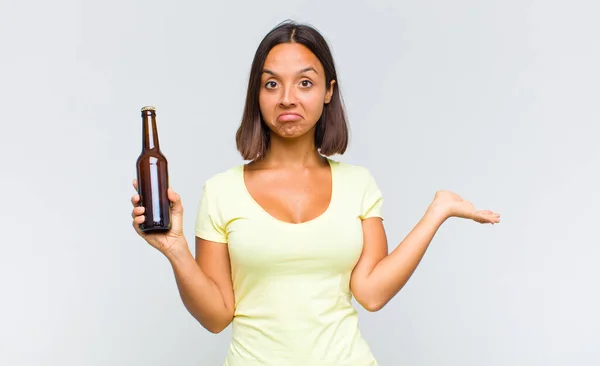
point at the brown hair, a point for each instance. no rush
(331, 135)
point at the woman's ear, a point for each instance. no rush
(329, 93)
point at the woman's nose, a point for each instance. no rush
(288, 96)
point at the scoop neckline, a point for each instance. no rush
(317, 218)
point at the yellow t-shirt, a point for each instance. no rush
(291, 281)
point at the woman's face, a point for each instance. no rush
(293, 90)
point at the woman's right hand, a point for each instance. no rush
(171, 241)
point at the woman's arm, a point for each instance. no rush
(377, 277)
(205, 284)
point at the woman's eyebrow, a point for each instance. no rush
(302, 71)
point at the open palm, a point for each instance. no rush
(456, 206)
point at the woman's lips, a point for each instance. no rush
(289, 117)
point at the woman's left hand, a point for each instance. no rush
(454, 206)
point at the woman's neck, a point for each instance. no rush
(298, 153)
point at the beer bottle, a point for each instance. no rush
(153, 178)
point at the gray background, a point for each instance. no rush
(494, 100)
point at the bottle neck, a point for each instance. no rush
(149, 130)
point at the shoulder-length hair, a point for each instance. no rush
(331, 135)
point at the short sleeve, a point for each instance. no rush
(372, 200)
(209, 225)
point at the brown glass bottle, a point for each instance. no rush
(153, 177)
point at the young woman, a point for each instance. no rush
(284, 241)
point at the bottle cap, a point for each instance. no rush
(148, 108)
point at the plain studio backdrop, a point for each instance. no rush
(494, 100)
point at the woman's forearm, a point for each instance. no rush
(392, 272)
(200, 295)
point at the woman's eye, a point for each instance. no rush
(305, 83)
(270, 84)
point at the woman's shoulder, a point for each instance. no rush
(224, 179)
(350, 170)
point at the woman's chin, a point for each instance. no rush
(292, 131)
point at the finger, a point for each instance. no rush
(138, 211)
(138, 220)
(486, 218)
(493, 219)
(135, 184)
(136, 225)
(135, 199)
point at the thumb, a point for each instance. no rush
(177, 207)
(176, 211)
